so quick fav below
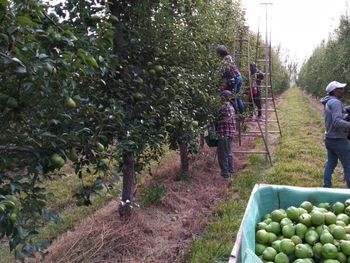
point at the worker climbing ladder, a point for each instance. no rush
(263, 61)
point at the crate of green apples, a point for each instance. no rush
(285, 224)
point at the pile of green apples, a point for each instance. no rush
(305, 234)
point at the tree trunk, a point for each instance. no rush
(128, 184)
(119, 38)
(119, 10)
(201, 140)
(184, 158)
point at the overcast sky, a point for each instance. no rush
(298, 25)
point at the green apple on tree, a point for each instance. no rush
(70, 103)
(100, 147)
(57, 160)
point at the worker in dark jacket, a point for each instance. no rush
(257, 77)
(337, 130)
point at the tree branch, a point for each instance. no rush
(25, 149)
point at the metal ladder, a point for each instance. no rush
(262, 124)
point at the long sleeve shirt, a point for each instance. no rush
(226, 121)
(336, 126)
(230, 69)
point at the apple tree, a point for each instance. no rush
(54, 110)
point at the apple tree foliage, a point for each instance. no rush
(53, 108)
(328, 62)
(178, 37)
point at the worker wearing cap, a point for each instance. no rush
(337, 130)
(225, 129)
(231, 77)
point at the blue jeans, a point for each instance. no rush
(237, 90)
(238, 104)
(337, 149)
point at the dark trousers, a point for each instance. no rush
(257, 102)
(225, 156)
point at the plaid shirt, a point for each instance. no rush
(230, 68)
(226, 121)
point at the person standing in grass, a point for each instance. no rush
(337, 130)
(225, 128)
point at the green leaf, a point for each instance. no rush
(3, 3)
(42, 56)
(4, 40)
(3, 9)
(92, 61)
(48, 134)
(25, 21)
(81, 53)
(114, 18)
(2, 12)
(21, 70)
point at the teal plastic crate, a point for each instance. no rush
(266, 198)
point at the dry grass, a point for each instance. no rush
(101, 238)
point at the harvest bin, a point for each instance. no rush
(266, 198)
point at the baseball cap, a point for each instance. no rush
(334, 85)
(221, 49)
(226, 93)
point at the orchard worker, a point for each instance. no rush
(231, 77)
(257, 77)
(225, 128)
(337, 130)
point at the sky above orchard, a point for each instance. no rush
(299, 26)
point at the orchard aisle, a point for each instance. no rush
(298, 160)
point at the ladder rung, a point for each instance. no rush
(265, 99)
(263, 60)
(262, 120)
(268, 109)
(252, 132)
(250, 135)
(258, 152)
(264, 86)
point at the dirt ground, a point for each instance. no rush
(158, 233)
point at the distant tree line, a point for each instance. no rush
(329, 61)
